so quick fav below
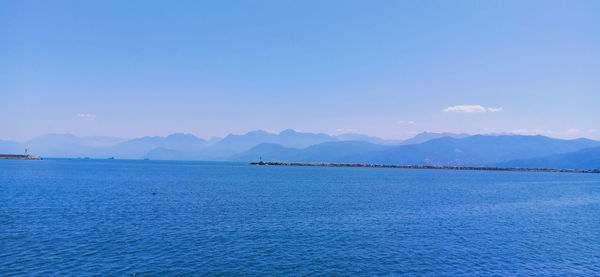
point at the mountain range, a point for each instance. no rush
(447, 149)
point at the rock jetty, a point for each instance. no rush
(19, 157)
(434, 167)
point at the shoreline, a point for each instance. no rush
(433, 167)
(19, 157)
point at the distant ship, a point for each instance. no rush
(111, 158)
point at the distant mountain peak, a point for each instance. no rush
(288, 132)
(182, 136)
(259, 132)
(426, 136)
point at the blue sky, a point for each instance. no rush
(384, 68)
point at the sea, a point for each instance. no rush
(181, 218)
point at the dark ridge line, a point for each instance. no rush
(434, 167)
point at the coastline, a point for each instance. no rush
(19, 157)
(433, 167)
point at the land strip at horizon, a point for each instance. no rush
(432, 167)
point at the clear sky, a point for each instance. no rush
(384, 68)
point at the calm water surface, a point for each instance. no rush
(100, 217)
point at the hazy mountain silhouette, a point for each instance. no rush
(341, 151)
(374, 140)
(478, 150)
(427, 136)
(475, 150)
(53, 140)
(292, 146)
(10, 147)
(289, 138)
(66, 145)
(588, 158)
(234, 144)
(139, 147)
(180, 146)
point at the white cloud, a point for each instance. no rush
(406, 122)
(86, 115)
(465, 109)
(471, 109)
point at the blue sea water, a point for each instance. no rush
(100, 217)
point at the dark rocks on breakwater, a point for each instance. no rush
(433, 167)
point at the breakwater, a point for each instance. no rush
(433, 167)
(19, 157)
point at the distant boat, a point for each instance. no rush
(145, 159)
(111, 158)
